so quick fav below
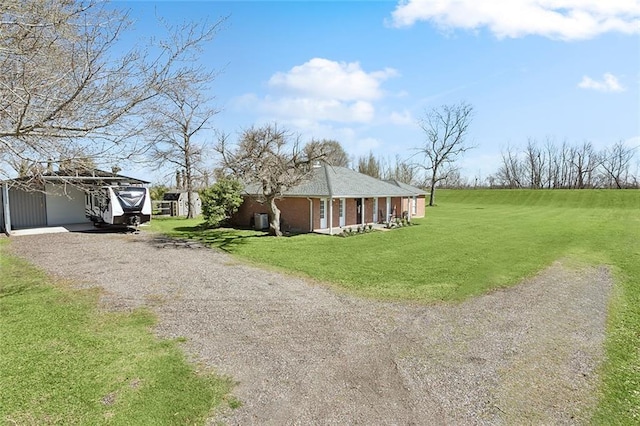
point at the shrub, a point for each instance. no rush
(220, 201)
(157, 192)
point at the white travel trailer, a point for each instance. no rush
(118, 205)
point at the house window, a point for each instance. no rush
(341, 208)
(414, 206)
(322, 207)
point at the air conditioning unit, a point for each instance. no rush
(261, 221)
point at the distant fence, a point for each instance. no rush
(164, 208)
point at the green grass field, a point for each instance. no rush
(472, 242)
(64, 362)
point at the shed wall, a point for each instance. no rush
(2, 222)
(2, 225)
(183, 204)
(65, 205)
(28, 209)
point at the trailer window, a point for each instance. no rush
(130, 196)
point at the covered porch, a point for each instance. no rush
(337, 213)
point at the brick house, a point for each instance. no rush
(336, 197)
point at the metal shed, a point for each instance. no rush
(58, 198)
(180, 204)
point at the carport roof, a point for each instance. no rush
(90, 177)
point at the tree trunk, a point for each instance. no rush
(189, 187)
(274, 217)
(190, 214)
(188, 174)
(432, 194)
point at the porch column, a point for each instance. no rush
(376, 209)
(410, 209)
(330, 216)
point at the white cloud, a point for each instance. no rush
(321, 90)
(402, 118)
(325, 79)
(557, 19)
(313, 109)
(328, 99)
(364, 145)
(609, 83)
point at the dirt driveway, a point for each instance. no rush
(304, 354)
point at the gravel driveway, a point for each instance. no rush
(303, 353)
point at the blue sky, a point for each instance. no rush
(364, 72)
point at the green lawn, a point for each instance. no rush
(472, 242)
(64, 362)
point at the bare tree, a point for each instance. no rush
(446, 130)
(553, 163)
(270, 158)
(453, 179)
(584, 160)
(334, 153)
(400, 170)
(176, 118)
(510, 172)
(535, 164)
(64, 86)
(616, 162)
(370, 165)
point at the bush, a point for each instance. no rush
(220, 201)
(157, 192)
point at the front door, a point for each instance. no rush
(358, 210)
(323, 213)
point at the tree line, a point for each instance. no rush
(566, 166)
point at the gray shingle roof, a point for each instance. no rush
(410, 188)
(341, 182)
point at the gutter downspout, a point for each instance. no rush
(310, 214)
(5, 209)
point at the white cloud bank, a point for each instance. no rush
(609, 83)
(322, 90)
(556, 19)
(325, 79)
(322, 98)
